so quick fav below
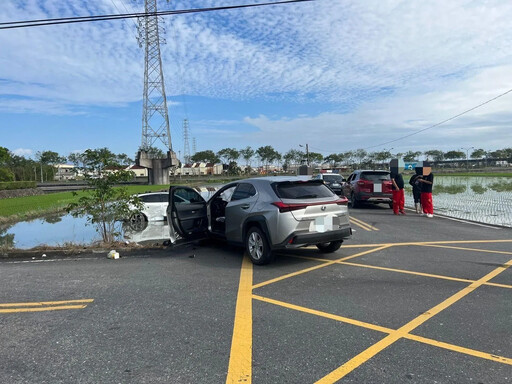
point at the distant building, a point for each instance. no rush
(199, 169)
(138, 170)
(65, 172)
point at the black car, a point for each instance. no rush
(333, 180)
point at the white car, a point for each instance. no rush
(155, 207)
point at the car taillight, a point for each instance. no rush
(342, 201)
(283, 207)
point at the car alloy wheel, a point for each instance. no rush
(257, 246)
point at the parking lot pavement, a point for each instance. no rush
(407, 300)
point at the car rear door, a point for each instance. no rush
(186, 215)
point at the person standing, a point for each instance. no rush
(416, 189)
(397, 182)
(427, 181)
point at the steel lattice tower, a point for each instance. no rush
(186, 145)
(155, 116)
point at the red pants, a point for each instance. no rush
(398, 201)
(426, 203)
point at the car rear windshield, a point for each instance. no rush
(301, 190)
(333, 178)
(375, 176)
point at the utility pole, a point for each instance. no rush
(155, 116)
(186, 145)
(467, 156)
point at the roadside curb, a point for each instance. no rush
(52, 254)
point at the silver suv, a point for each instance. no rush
(262, 214)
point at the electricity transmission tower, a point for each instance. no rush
(186, 146)
(155, 116)
(194, 147)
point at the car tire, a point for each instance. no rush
(353, 201)
(331, 247)
(256, 245)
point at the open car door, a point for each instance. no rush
(186, 215)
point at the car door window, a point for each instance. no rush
(186, 195)
(151, 198)
(243, 191)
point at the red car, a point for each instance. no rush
(368, 186)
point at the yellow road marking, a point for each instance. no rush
(456, 348)
(327, 263)
(41, 303)
(42, 309)
(370, 352)
(352, 221)
(425, 243)
(466, 249)
(398, 271)
(379, 328)
(324, 314)
(363, 223)
(240, 358)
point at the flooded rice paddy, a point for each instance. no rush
(482, 199)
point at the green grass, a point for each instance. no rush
(20, 208)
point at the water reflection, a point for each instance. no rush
(147, 232)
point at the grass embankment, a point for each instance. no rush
(22, 208)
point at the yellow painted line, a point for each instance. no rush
(456, 348)
(240, 358)
(467, 249)
(325, 264)
(42, 303)
(324, 314)
(399, 271)
(370, 352)
(364, 223)
(42, 309)
(379, 328)
(352, 221)
(370, 245)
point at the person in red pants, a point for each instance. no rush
(427, 181)
(395, 166)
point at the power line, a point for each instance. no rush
(85, 19)
(442, 122)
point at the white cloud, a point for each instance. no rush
(23, 152)
(384, 67)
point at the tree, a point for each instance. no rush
(315, 157)
(5, 155)
(360, 154)
(154, 152)
(6, 174)
(228, 154)
(434, 154)
(205, 157)
(48, 158)
(102, 204)
(123, 159)
(247, 153)
(267, 154)
(478, 154)
(452, 155)
(411, 156)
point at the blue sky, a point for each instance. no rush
(336, 74)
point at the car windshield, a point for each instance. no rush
(301, 190)
(333, 178)
(375, 176)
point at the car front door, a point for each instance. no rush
(347, 186)
(238, 209)
(186, 215)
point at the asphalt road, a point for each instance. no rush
(407, 300)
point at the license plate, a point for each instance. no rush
(377, 187)
(322, 224)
